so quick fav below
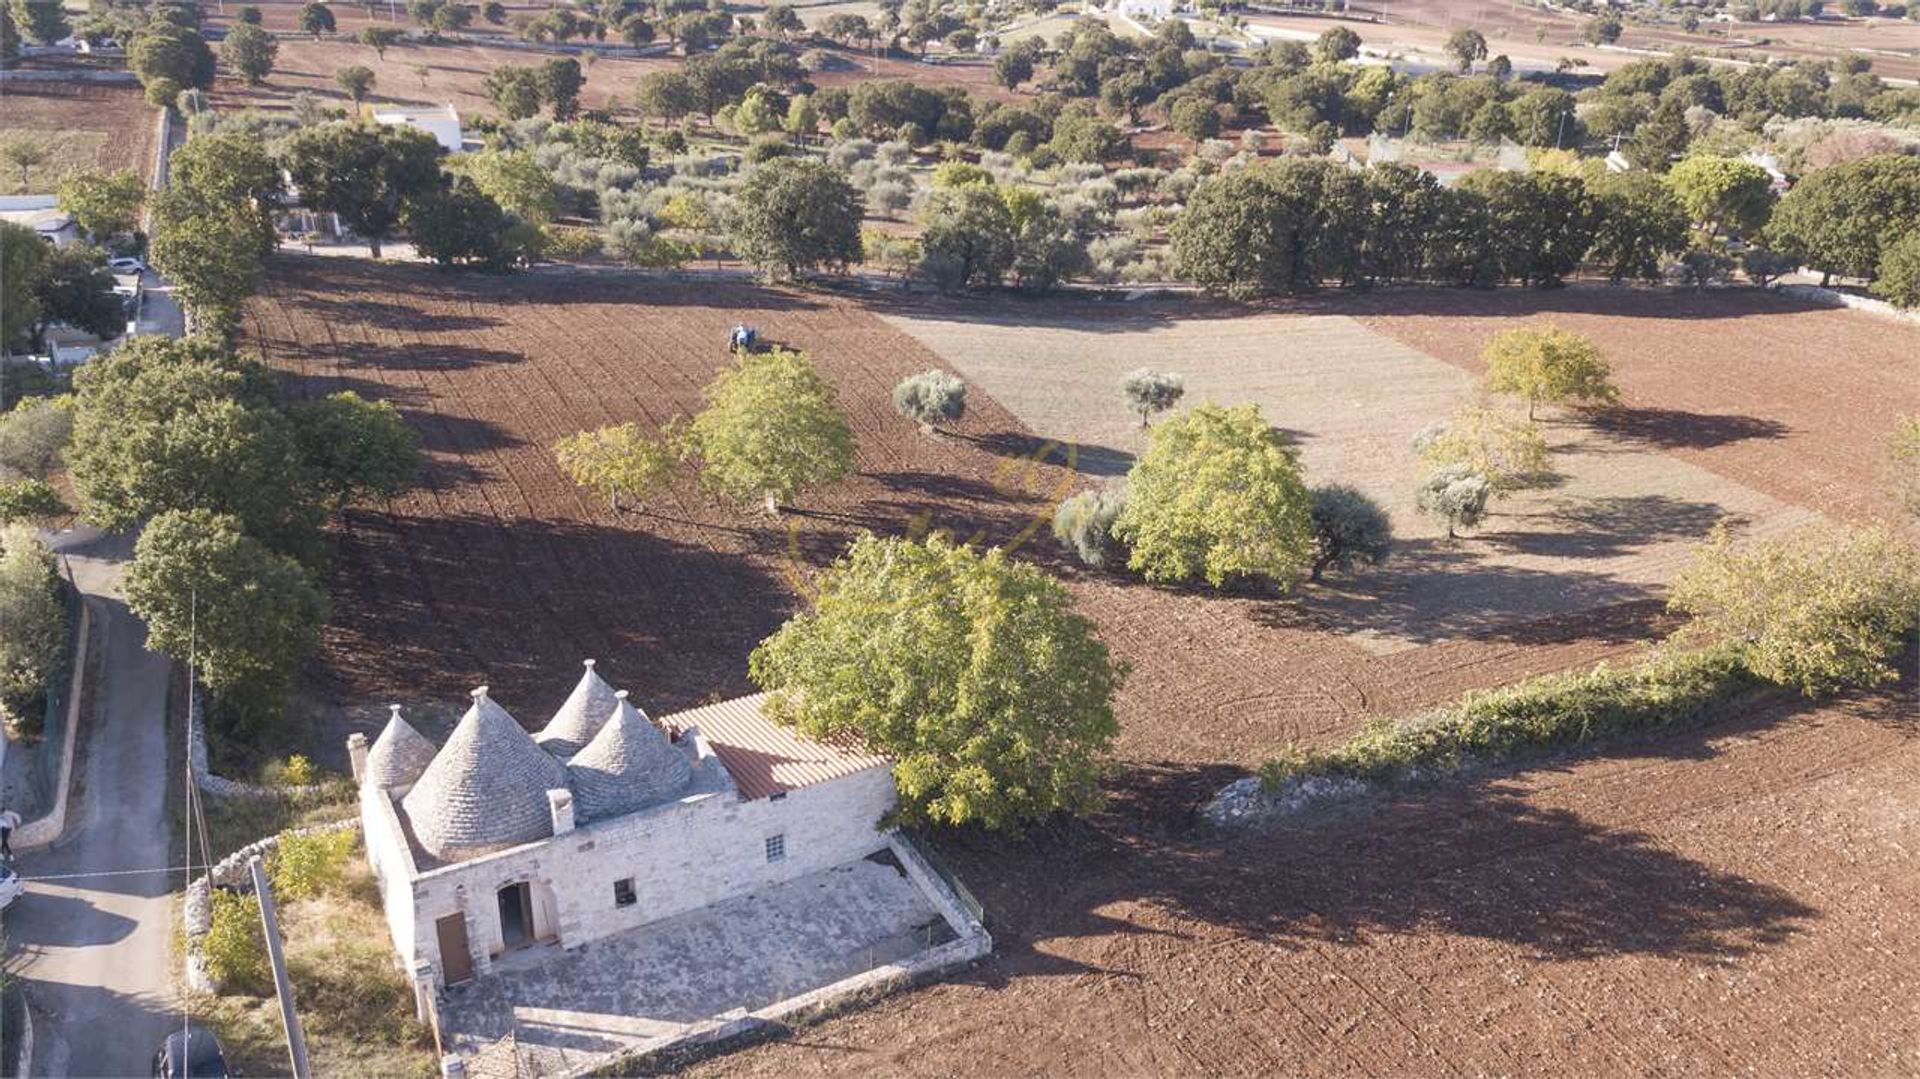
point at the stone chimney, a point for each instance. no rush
(357, 755)
(560, 802)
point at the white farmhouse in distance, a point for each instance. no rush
(1146, 10)
(440, 121)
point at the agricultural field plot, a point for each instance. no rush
(1734, 900)
(1786, 398)
(1614, 523)
(86, 126)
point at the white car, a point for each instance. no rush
(10, 885)
(127, 264)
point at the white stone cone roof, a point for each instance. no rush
(486, 789)
(580, 717)
(399, 755)
(629, 765)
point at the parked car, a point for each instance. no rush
(10, 886)
(126, 264)
(193, 1053)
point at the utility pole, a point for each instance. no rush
(282, 988)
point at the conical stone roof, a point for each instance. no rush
(486, 789)
(399, 755)
(579, 719)
(629, 765)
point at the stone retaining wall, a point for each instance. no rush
(1831, 298)
(220, 786)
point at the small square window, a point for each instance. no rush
(777, 796)
(776, 848)
(623, 893)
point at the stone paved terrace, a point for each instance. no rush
(566, 1009)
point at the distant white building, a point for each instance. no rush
(41, 213)
(440, 121)
(1146, 10)
(1771, 165)
(503, 842)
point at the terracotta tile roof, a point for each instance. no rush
(763, 757)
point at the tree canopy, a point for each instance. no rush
(1840, 219)
(353, 448)
(794, 214)
(972, 672)
(1548, 365)
(363, 172)
(771, 430)
(1218, 494)
(618, 461)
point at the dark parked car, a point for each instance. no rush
(193, 1052)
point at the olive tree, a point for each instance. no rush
(1821, 609)
(1506, 450)
(1150, 392)
(1548, 365)
(1083, 523)
(1456, 494)
(931, 398)
(771, 429)
(971, 671)
(794, 214)
(33, 435)
(618, 461)
(1217, 494)
(1348, 529)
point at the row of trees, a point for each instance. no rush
(232, 483)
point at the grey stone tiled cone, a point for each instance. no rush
(399, 755)
(629, 765)
(580, 717)
(486, 789)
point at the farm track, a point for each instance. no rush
(1736, 899)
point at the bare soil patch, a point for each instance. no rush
(88, 126)
(1789, 399)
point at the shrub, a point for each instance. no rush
(1148, 392)
(305, 866)
(234, 948)
(1899, 279)
(29, 500)
(33, 434)
(931, 398)
(1540, 714)
(1348, 528)
(1505, 449)
(1084, 524)
(1456, 494)
(1903, 458)
(1820, 609)
(33, 624)
(1548, 365)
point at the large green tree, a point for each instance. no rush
(1548, 365)
(249, 52)
(164, 51)
(243, 614)
(212, 256)
(42, 22)
(355, 449)
(1540, 224)
(618, 461)
(794, 214)
(1218, 494)
(771, 429)
(1271, 228)
(968, 238)
(23, 256)
(1840, 218)
(365, 173)
(992, 696)
(33, 623)
(1638, 224)
(105, 204)
(1722, 194)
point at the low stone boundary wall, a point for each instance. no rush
(1831, 298)
(741, 1025)
(41, 75)
(231, 872)
(220, 786)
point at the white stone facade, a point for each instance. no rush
(601, 877)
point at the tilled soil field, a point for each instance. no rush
(88, 127)
(1790, 399)
(1739, 899)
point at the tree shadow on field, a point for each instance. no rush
(1610, 526)
(430, 606)
(1459, 857)
(1672, 428)
(433, 356)
(388, 315)
(1084, 458)
(1651, 303)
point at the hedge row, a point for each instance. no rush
(1552, 711)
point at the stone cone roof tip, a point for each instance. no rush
(399, 755)
(580, 716)
(486, 789)
(628, 766)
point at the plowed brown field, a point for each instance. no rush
(87, 127)
(1740, 899)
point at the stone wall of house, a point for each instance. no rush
(680, 857)
(393, 868)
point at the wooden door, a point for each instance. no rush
(456, 958)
